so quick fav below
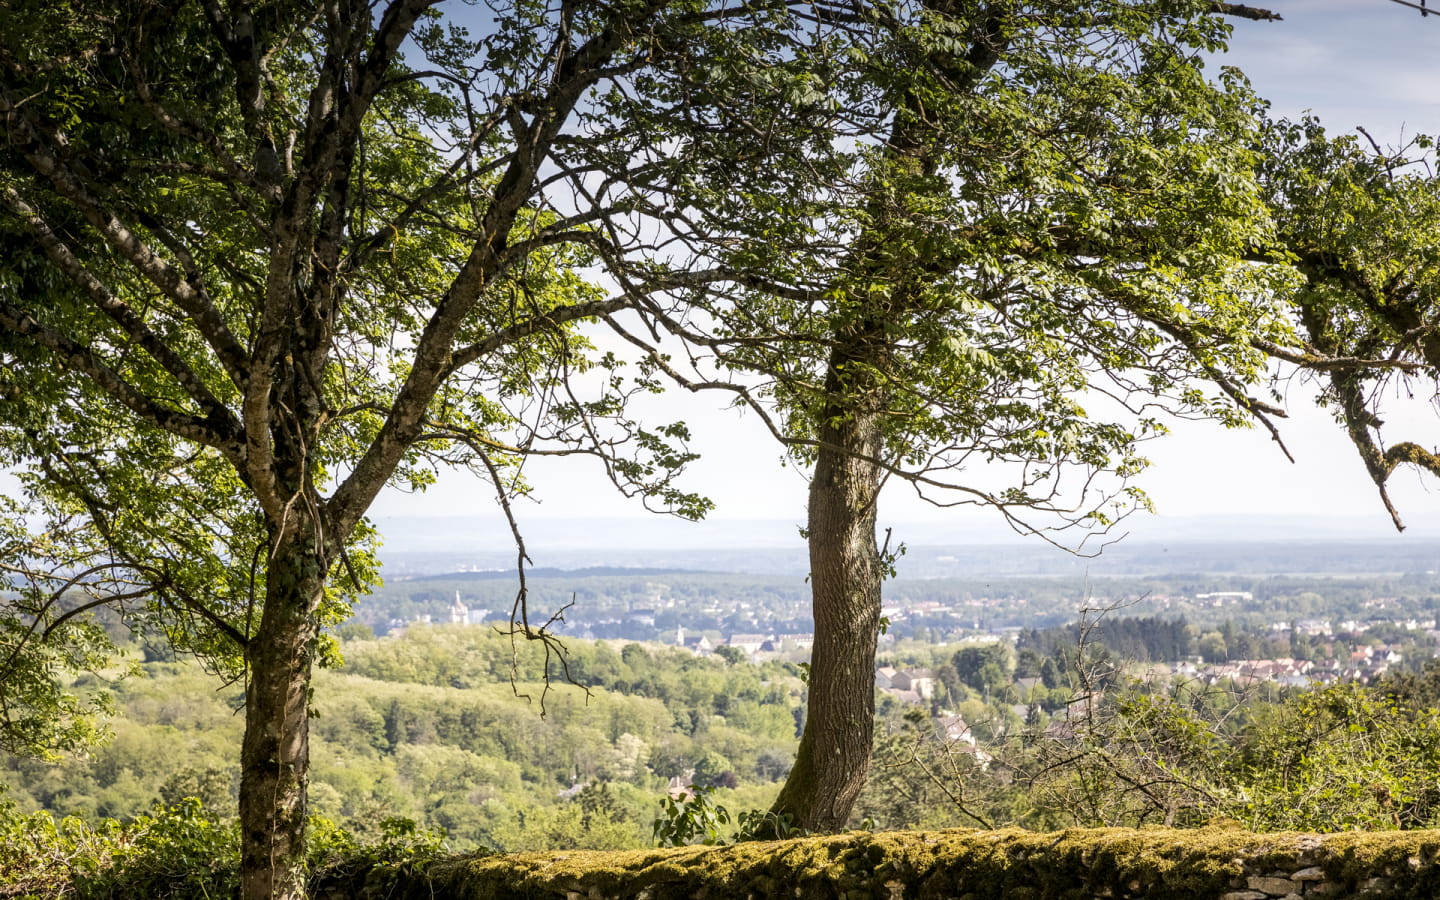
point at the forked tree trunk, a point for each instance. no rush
(845, 581)
(275, 754)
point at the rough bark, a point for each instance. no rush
(845, 576)
(275, 755)
(846, 570)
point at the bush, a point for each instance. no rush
(179, 851)
(173, 852)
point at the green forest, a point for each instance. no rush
(436, 726)
(448, 728)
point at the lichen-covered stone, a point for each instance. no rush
(1078, 864)
(1275, 887)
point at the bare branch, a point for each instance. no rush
(549, 321)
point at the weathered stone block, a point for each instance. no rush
(1275, 887)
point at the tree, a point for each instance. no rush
(1053, 222)
(971, 662)
(1032, 235)
(1050, 673)
(731, 655)
(259, 263)
(1212, 647)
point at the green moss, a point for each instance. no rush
(1157, 864)
(1408, 859)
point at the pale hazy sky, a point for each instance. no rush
(1353, 62)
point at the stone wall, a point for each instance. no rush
(1105, 864)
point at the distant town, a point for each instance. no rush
(1242, 647)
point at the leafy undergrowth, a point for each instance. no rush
(181, 852)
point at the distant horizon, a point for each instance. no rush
(545, 536)
(435, 546)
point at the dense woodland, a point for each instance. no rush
(448, 728)
(430, 727)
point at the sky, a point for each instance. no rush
(1351, 62)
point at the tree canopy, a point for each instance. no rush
(1026, 237)
(1361, 224)
(263, 260)
(1003, 246)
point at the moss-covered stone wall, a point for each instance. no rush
(1080, 864)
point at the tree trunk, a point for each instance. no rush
(845, 581)
(846, 571)
(275, 755)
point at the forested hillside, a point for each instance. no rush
(454, 729)
(430, 727)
